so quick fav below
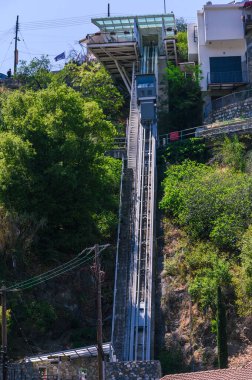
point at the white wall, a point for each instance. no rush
(215, 48)
(192, 43)
(223, 23)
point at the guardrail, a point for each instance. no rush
(225, 77)
(111, 37)
(245, 126)
(176, 136)
(227, 100)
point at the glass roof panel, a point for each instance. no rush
(149, 21)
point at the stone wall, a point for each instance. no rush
(150, 370)
(79, 368)
(238, 110)
(84, 369)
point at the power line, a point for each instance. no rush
(28, 51)
(56, 274)
(58, 271)
(51, 273)
(58, 23)
(6, 54)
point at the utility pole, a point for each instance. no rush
(97, 270)
(4, 333)
(164, 6)
(16, 50)
(108, 10)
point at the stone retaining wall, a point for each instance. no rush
(150, 370)
(84, 369)
(238, 110)
(76, 369)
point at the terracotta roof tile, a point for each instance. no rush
(242, 373)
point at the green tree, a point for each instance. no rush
(183, 99)
(182, 46)
(54, 167)
(181, 24)
(94, 83)
(35, 75)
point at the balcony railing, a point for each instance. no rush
(227, 77)
(110, 37)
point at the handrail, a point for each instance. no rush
(167, 138)
(117, 253)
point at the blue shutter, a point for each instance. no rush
(226, 69)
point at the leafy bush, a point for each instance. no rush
(41, 315)
(193, 149)
(172, 361)
(184, 100)
(232, 153)
(209, 202)
(208, 269)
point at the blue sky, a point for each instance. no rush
(35, 41)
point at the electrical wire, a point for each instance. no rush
(6, 54)
(58, 23)
(53, 271)
(58, 271)
(56, 274)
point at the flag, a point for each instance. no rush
(60, 56)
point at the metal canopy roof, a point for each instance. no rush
(72, 353)
(110, 24)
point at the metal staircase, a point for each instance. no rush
(133, 126)
(132, 332)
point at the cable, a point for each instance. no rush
(6, 54)
(59, 273)
(34, 54)
(28, 51)
(70, 265)
(58, 23)
(53, 271)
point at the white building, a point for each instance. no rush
(221, 46)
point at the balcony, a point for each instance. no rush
(227, 79)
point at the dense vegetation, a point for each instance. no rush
(59, 190)
(182, 107)
(208, 194)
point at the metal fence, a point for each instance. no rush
(226, 100)
(233, 98)
(171, 137)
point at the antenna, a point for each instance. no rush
(164, 6)
(108, 10)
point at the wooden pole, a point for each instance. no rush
(4, 332)
(16, 49)
(99, 313)
(108, 10)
